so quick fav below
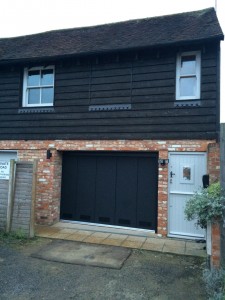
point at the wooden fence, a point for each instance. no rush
(17, 198)
(4, 190)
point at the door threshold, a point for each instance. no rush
(187, 237)
(106, 228)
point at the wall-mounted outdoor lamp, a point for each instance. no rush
(163, 162)
(48, 154)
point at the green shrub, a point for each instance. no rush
(215, 283)
(206, 205)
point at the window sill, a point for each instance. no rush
(34, 110)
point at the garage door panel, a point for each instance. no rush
(85, 199)
(126, 191)
(147, 193)
(69, 190)
(105, 190)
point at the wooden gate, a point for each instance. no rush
(18, 198)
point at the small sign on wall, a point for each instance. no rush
(4, 169)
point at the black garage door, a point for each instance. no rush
(114, 188)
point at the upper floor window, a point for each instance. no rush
(188, 75)
(38, 86)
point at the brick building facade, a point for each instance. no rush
(48, 191)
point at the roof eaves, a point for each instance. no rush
(104, 51)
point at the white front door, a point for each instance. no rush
(185, 178)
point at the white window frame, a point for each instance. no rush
(197, 74)
(25, 87)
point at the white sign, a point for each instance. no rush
(4, 169)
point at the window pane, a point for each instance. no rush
(33, 78)
(47, 95)
(186, 173)
(188, 65)
(188, 86)
(33, 96)
(47, 77)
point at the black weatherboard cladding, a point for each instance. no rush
(146, 85)
(121, 86)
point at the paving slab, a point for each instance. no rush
(174, 243)
(118, 236)
(134, 242)
(102, 235)
(68, 230)
(76, 237)
(83, 254)
(71, 232)
(47, 230)
(60, 235)
(79, 236)
(93, 240)
(114, 239)
(96, 238)
(153, 244)
(112, 242)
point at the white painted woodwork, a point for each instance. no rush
(181, 188)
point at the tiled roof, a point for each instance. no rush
(149, 32)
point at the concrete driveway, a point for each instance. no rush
(144, 275)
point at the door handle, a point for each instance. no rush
(171, 174)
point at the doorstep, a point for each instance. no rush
(135, 239)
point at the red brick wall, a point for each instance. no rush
(214, 171)
(48, 188)
(214, 162)
(47, 206)
(215, 256)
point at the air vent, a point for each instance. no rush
(144, 224)
(187, 103)
(36, 110)
(104, 220)
(110, 107)
(85, 218)
(67, 216)
(124, 222)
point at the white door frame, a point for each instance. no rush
(169, 194)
